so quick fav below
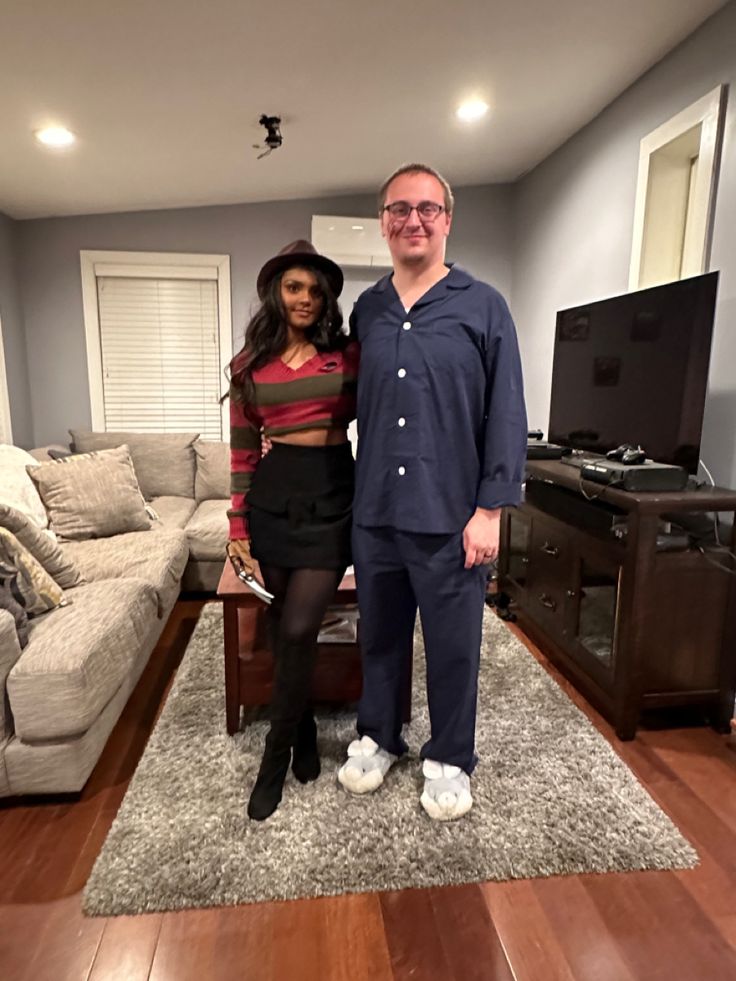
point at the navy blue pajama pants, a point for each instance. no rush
(396, 572)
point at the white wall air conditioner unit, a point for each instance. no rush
(350, 241)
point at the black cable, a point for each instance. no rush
(718, 565)
(701, 545)
(701, 539)
(591, 497)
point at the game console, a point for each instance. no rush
(648, 476)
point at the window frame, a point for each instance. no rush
(150, 265)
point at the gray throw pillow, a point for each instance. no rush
(213, 471)
(41, 546)
(92, 495)
(164, 462)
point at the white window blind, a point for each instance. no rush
(160, 350)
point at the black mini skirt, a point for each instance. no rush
(301, 502)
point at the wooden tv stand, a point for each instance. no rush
(632, 624)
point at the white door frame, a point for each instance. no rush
(150, 265)
(709, 114)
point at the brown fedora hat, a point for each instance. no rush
(299, 253)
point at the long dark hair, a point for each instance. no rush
(267, 333)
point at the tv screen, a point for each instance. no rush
(634, 369)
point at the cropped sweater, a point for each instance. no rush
(319, 394)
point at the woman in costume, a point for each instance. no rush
(293, 383)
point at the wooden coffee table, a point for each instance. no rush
(249, 664)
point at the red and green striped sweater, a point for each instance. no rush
(319, 394)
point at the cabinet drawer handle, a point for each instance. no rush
(550, 550)
(547, 601)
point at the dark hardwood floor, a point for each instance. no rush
(679, 926)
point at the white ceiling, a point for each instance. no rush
(165, 95)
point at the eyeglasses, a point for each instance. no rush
(427, 210)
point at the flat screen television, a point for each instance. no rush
(634, 369)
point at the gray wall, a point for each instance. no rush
(574, 223)
(51, 288)
(11, 317)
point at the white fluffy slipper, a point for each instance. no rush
(446, 795)
(367, 764)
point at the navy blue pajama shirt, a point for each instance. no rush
(441, 418)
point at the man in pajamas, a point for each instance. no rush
(441, 449)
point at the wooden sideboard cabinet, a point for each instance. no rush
(632, 620)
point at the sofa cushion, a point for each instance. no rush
(173, 512)
(207, 531)
(164, 462)
(29, 582)
(43, 548)
(16, 487)
(77, 658)
(158, 558)
(212, 481)
(92, 495)
(10, 604)
(10, 650)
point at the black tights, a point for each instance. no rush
(301, 598)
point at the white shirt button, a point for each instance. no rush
(402, 471)
(402, 421)
(401, 372)
(406, 326)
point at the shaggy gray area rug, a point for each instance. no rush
(551, 797)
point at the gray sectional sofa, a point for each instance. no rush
(186, 481)
(62, 694)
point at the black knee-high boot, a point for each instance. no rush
(266, 794)
(305, 762)
(292, 676)
(305, 757)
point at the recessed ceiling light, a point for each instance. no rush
(357, 228)
(472, 110)
(55, 136)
